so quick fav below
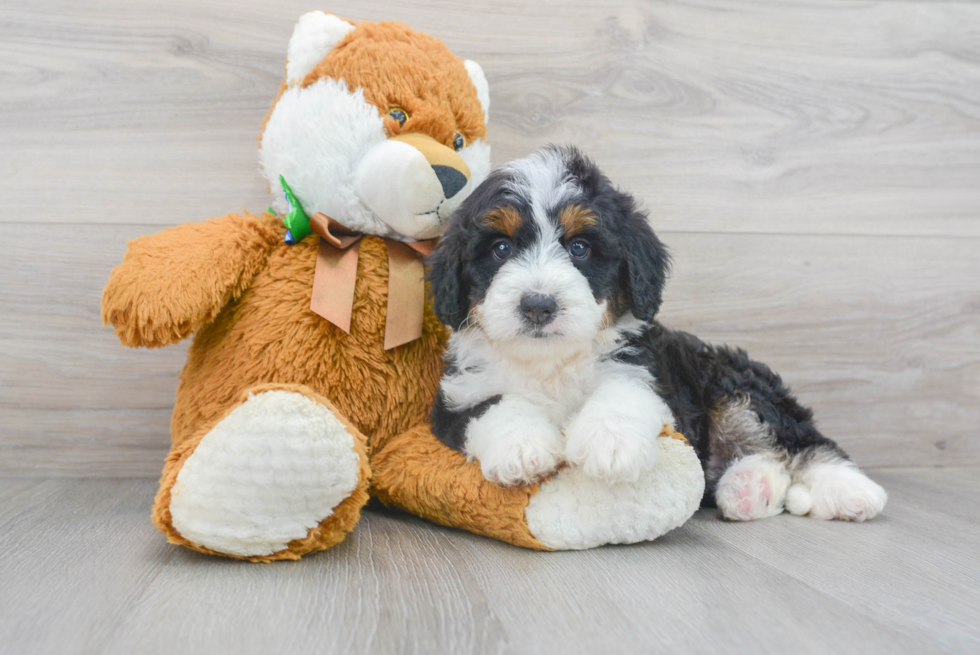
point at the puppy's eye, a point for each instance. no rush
(501, 250)
(398, 114)
(579, 249)
(458, 142)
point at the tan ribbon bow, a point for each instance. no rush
(336, 275)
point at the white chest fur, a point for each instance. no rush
(558, 379)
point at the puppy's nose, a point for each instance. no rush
(538, 308)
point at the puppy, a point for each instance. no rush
(551, 280)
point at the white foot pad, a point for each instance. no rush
(754, 487)
(573, 511)
(271, 470)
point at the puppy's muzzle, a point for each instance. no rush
(538, 309)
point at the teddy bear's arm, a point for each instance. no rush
(172, 282)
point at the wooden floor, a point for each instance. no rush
(84, 571)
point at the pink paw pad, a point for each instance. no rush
(765, 489)
(751, 493)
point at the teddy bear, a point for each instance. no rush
(316, 354)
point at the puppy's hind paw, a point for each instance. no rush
(754, 487)
(839, 490)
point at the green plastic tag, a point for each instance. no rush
(296, 221)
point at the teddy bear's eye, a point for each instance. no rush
(398, 114)
(458, 142)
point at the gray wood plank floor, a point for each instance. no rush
(84, 571)
(813, 165)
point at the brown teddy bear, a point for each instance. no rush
(316, 354)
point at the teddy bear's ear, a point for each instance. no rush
(482, 88)
(315, 34)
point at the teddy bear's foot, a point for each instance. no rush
(281, 475)
(568, 511)
(573, 510)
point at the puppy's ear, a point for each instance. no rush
(449, 290)
(646, 264)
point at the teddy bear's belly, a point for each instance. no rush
(270, 335)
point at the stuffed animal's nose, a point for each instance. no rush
(450, 169)
(452, 181)
(539, 309)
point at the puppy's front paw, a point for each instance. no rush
(510, 463)
(515, 442)
(610, 446)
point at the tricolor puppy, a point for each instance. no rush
(551, 279)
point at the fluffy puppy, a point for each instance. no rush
(551, 279)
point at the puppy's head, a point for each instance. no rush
(545, 254)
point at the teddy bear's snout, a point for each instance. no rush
(412, 182)
(450, 169)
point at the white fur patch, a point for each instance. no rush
(514, 441)
(543, 181)
(558, 380)
(753, 487)
(573, 511)
(614, 435)
(315, 34)
(798, 500)
(315, 138)
(475, 72)
(267, 474)
(839, 490)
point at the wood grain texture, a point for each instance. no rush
(883, 341)
(84, 571)
(814, 166)
(827, 117)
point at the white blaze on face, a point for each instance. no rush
(543, 268)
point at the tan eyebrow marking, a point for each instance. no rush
(575, 218)
(504, 219)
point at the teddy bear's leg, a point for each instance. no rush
(569, 511)
(416, 472)
(282, 474)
